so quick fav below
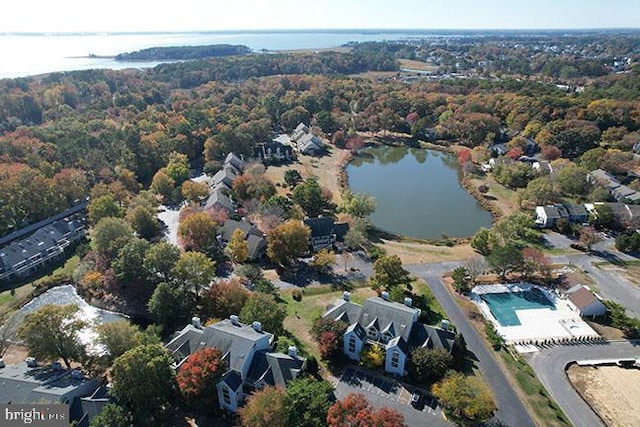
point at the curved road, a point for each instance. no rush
(511, 411)
(549, 366)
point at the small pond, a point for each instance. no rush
(418, 192)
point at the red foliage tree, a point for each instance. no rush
(354, 143)
(225, 298)
(355, 411)
(198, 376)
(328, 345)
(464, 156)
(515, 153)
(550, 152)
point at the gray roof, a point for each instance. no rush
(345, 311)
(358, 330)
(233, 379)
(386, 313)
(255, 238)
(401, 343)
(234, 341)
(431, 337)
(225, 176)
(576, 210)
(309, 143)
(325, 226)
(22, 384)
(235, 161)
(604, 178)
(218, 200)
(275, 369)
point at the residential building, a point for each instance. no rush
(255, 238)
(222, 183)
(30, 382)
(584, 301)
(274, 151)
(248, 354)
(390, 325)
(620, 192)
(547, 216)
(305, 141)
(627, 215)
(50, 243)
(325, 232)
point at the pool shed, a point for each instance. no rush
(585, 302)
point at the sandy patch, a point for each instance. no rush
(611, 391)
(418, 253)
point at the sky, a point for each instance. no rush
(212, 15)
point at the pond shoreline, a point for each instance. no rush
(482, 205)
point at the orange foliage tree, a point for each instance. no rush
(198, 376)
(356, 411)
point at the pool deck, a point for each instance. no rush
(536, 325)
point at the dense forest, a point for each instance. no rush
(63, 133)
(175, 53)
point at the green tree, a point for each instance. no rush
(356, 236)
(461, 280)
(517, 226)
(265, 309)
(238, 248)
(265, 408)
(466, 399)
(195, 271)
(112, 415)
(178, 168)
(159, 261)
(310, 197)
(287, 241)
(198, 377)
(103, 207)
(388, 272)
(484, 241)
(110, 235)
(359, 205)
(120, 336)
(307, 402)
(572, 180)
(539, 191)
(168, 306)
(143, 378)
(505, 259)
(143, 221)
(129, 264)
(428, 365)
(163, 185)
(292, 177)
(51, 333)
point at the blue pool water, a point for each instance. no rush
(503, 305)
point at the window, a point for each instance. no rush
(395, 359)
(226, 396)
(352, 344)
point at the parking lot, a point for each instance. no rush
(382, 391)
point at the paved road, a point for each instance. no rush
(549, 366)
(511, 411)
(609, 284)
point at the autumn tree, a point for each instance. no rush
(373, 357)
(51, 333)
(264, 408)
(238, 247)
(194, 192)
(265, 309)
(143, 221)
(323, 261)
(225, 298)
(589, 237)
(143, 379)
(466, 399)
(535, 261)
(197, 231)
(356, 411)
(194, 271)
(287, 241)
(388, 272)
(163, 185)
(198, 376)
(358, 205)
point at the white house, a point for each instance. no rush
(247, 351)
(389, 325)
(582, 300)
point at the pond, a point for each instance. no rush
(418, 192)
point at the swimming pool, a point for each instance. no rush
(503, 305)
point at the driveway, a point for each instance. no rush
(510, 411)
(386, 392)
(549, 365)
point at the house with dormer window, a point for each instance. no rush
(393, 326)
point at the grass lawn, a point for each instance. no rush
(541, 405)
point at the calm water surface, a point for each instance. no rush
(418, 192)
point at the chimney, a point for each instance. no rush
(195, 321)
(31, 362)
(257, 326)
(346, 295)
(2, 364)
(444, 324)
(293, 351)
(408, 302)
(234, 320)
(385, 295)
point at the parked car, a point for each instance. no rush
(416, 399)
